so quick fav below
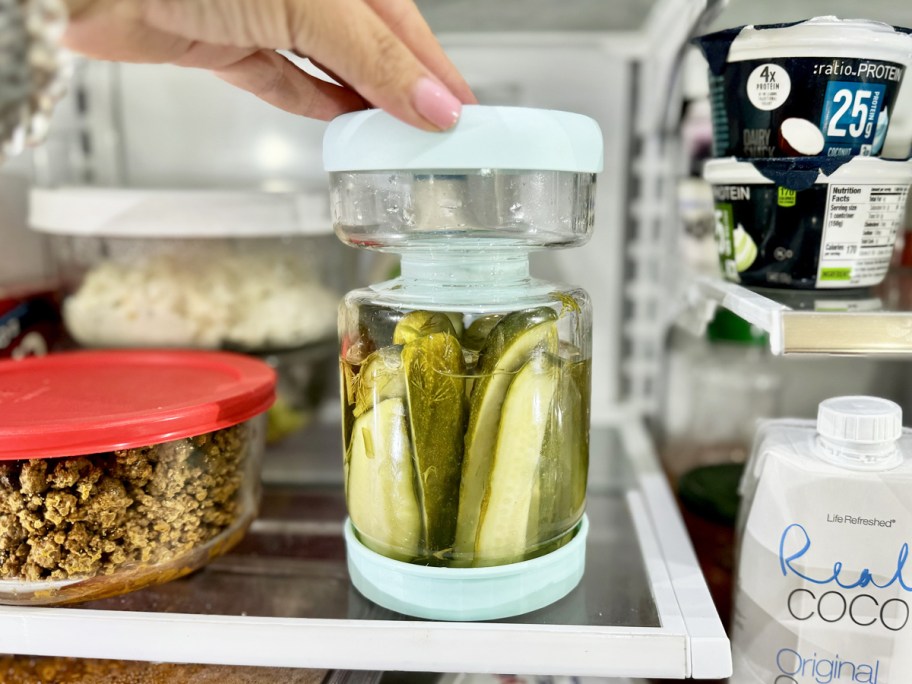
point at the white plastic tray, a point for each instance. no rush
(872, 321)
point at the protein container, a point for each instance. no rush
(465, 382)
(808, 223)
(825, 86)
(123, 469)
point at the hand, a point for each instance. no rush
(382, 51)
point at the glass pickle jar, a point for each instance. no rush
(465, 381)
(123, 469)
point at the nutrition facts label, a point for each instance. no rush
(858, 234)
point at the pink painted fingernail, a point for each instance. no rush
(435, 103)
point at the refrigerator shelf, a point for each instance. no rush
(283, 596)
(874, 321)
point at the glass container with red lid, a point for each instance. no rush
(123, 469)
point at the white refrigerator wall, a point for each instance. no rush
(197, 131)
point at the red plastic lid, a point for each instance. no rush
(96, 401)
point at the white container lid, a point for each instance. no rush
(859, 170)
(861, 420)
(824, 37)
(511, 138)
(132, 213)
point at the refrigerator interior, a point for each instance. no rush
(283, 597)
(159, 127)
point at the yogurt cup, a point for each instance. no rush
(807, 223)
(821, 87)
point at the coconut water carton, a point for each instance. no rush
(823, 591)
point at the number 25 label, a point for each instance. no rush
(850, 110)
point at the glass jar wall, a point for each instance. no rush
(465, 381)
(395, 209)
(465, 430)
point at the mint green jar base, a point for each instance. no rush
(466, 593)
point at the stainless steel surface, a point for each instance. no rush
(292, 562)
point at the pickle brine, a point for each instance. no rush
(467, 446)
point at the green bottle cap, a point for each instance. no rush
(729, 327)
(712, 491)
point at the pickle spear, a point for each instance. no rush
(381, 483)
(421, 323)
(457, 323)
(511, 343)
(581, 377)
(477, 333)
(435, 386)
(347, 380)
(503, 529)
(565, 455)
(381, 377)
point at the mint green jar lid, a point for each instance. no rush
(463, 594)
(515, 138)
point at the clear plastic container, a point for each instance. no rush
(736, 377)
(205, 270)
(465, 381)
(123, 469)
(246, 294)
(253, 272)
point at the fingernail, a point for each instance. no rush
(435, 103)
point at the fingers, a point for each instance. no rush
(382, 48)
(274, 79)
(366, 54)
(405, 20)
(347, 36)
(240, 23)
(106, 29)
(101, 30)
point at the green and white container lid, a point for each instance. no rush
(515, 138)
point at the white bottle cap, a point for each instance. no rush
(862, 420)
